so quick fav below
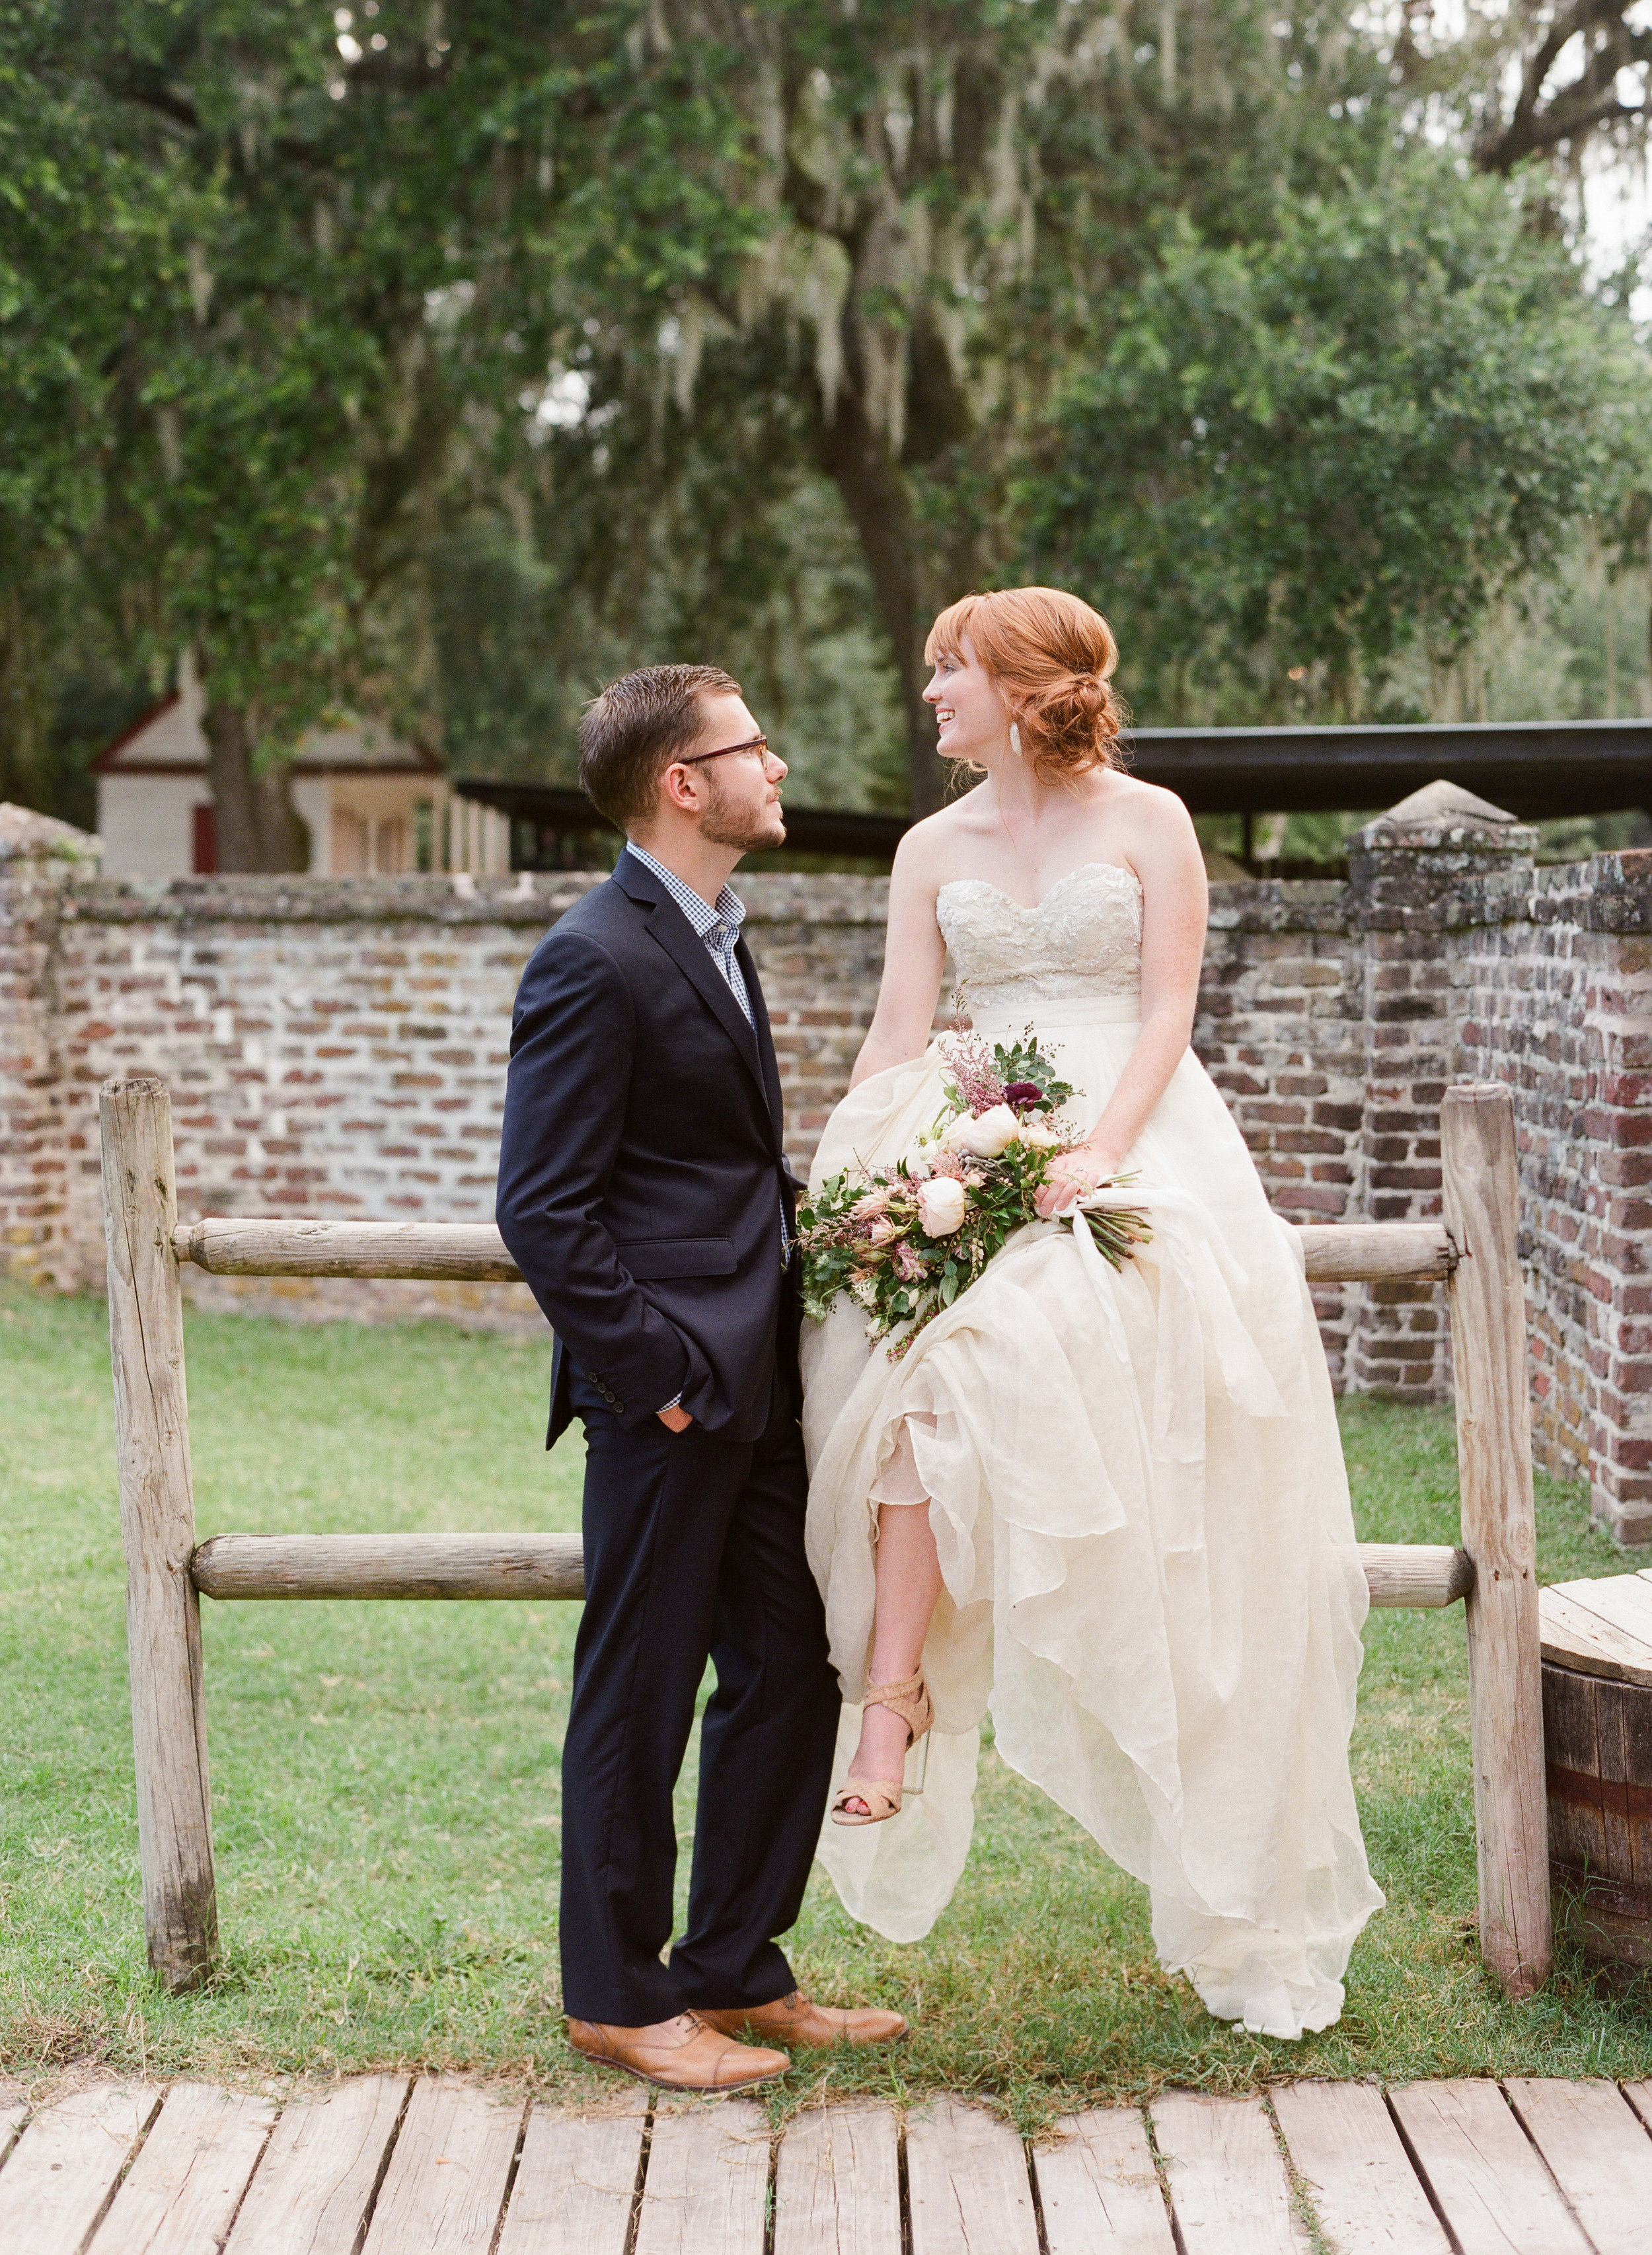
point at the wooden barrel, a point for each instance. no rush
(1597, 1670)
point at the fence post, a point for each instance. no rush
(157, 1532)
(1493, 1450)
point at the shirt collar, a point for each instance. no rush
(730, 908)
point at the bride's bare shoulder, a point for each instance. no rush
(1147, 804)
(1152, 823)
(928, 852)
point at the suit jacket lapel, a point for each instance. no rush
(668, 925)
(770, 1070)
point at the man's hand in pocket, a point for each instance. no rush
(676, 1419)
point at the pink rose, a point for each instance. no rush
(942, 1205)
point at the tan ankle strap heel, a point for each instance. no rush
(909, 1699)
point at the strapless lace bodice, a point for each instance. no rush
(1082, 942)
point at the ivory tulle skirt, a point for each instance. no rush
(1151, 1583)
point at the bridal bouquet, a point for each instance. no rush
(903, 1241)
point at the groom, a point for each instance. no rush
(644, 1195)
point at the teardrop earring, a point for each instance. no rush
(1015, 739)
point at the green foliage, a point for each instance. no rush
(1310, 450)
(445, 376)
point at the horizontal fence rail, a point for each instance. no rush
(551, 1566)
(389, 1566)
(467, 1251)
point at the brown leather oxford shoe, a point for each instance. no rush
(798, 2019)
(680, 2054)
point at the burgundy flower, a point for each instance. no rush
(1021, 1095)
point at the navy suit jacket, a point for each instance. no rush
(642, 1177)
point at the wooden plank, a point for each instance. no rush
(315, 2184)
(183, 2190)
(1358, 2177)
(1416, 1573)
(1624, 1603)
(838, 2183)
(1098, 2190)
(1575, 1636)
(66, 2163)
(1229, 2186)
(1599, 2153)
(1491, 1385)
(390, 1566)
(1485, 2176)
(706, 2188)
(471, 1251)
(967, 2186)
(445, 2184)
(157, 1532)
(576, 2181)
(14, 2112)
(1348, 1251)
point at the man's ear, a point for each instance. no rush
(681, 787)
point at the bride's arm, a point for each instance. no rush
(1165, 854)
(914, 958)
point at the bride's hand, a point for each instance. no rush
(1073, 1176)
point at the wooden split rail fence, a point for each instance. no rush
(1471, 1250)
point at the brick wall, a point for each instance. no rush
(336, 1047)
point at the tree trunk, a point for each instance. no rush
(859, 461)
(256, 825)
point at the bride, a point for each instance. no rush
(1107, 1507)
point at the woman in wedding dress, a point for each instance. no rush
(1109, 1507)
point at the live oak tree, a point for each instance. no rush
(235, 283)
(298, 312)
(1300, 455)
(978, 232)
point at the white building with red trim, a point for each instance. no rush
(372, 804)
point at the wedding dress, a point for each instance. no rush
(1138, 1497)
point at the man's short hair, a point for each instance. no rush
(637, 728)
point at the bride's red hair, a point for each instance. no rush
(1051, 656)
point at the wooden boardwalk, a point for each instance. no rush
(386, 2164)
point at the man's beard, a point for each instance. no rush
(749, 830)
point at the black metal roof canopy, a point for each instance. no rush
(1535, 768)
(551, 808)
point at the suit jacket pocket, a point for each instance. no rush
(652, 1258)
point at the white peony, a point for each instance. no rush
(917, 1164)
(941, 1205)
(984, 1138)
(1039, 1131)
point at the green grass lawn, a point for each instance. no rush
(385, 1793)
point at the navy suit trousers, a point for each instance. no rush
(694, 1549)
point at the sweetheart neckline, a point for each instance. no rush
(1020, 907)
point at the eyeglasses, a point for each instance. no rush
(757, 744)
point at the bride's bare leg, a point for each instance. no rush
(908, 1583)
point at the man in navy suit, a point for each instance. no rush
(645, 1194)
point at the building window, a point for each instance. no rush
(204, 854)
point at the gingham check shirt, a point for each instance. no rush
(718, 927)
